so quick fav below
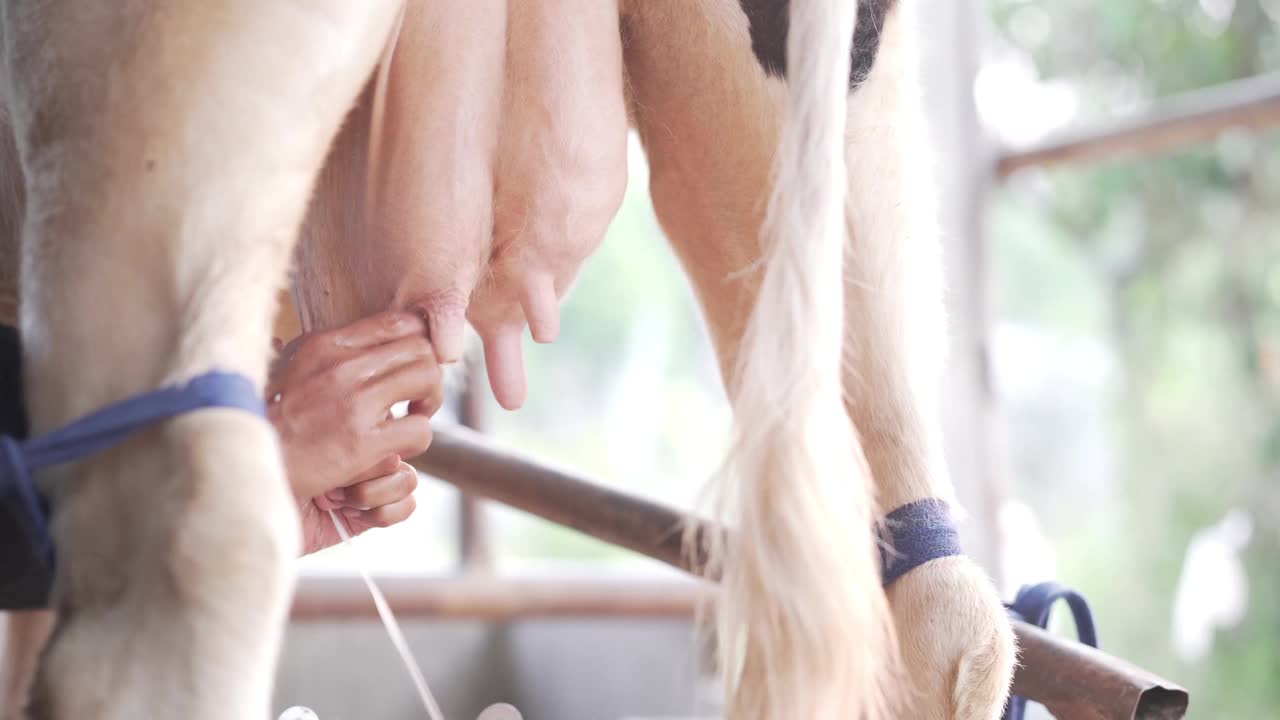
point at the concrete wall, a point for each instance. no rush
(552, 669)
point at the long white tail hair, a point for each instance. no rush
(804, 631)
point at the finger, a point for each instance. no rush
(426, 408)
(314, 352)
(289, 349)
(385, 490)
(318, 351)
(352, 528)
(279, 360)
(313, 532)
(384, 359)
(342, 351)
(419, 381)
(408, 437)
(384, 516)
(324, 503)
(378, 329)
(304, 355)
(386, 466)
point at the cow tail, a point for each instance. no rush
(804, 629)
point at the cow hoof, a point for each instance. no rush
(954, 634)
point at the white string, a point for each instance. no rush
(393, 628)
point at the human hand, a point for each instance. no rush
(329, 398)
(382, 501)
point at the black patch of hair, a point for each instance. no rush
(769, 20)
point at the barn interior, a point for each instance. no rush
(1108, 180)
(1108, 201)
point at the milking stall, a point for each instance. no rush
(640, 359)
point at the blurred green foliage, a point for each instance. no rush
(1174, 263)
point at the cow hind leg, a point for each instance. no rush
(955, 639)
(804, 628)
(168, 150)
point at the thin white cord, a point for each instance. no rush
(393, 629)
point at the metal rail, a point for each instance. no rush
(488, 598)
(475, 546)
(1179, 121)
(1073, 681)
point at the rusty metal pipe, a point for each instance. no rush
(493, 599)
(1172, 124)
(478, 466)
(1073, 681)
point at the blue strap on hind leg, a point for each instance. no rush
(924, 530)
(918, 533)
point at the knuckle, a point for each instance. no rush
(345, 372)
(388, 465)
(332, 376)
(350, 443)
(420, 345)
(309, 348)
(435, 377)
(350, 418)
(397, 321)
(328, 339)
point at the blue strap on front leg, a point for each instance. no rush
(27, 558)
(110, 425)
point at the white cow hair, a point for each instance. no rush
(800, 572)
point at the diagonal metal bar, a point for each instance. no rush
(1074, 681)
(1171, 124)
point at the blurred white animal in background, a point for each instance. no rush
(1213, 590)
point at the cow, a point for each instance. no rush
(462, 160)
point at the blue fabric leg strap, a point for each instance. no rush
(918, 532)
(27, 553)
(1032, 604)
(924, 530)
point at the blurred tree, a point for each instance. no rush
(1175, 262)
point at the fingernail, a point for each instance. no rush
(338, 496)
